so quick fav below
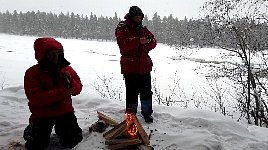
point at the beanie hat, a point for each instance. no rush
(43, 45)
(135, 11)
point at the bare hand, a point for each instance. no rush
(70, 91)
(67, 79)
(67, 75)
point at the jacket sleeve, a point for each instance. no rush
(38, 96)
(126, 43)
(75, 82)
(152, 44)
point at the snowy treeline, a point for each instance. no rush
(167, 30)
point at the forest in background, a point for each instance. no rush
(167, 30)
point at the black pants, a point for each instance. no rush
(139, 84)
(37, 133)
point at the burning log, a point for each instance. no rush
(143, 134)
(131, 127)
(128, 134)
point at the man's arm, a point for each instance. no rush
(152, 41)
(124, 42)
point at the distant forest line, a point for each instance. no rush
(167, 30)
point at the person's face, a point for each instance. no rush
(137, 19)
(53, 56)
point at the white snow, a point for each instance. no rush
(174, 127)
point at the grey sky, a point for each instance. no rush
(178, 8)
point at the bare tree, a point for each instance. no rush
(106, 88)
(3, 81)
(237, 24)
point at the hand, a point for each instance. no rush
(144, 40)
(67, 79)
(67, 75)
(70, 91)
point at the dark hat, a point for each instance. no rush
(135, 11)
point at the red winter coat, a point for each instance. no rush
(45, 98)
(134, 55)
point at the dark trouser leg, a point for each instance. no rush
(37, 134)
(132, 92)
(67, 128)
(146, 94)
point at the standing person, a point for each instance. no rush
(49, 86)
(135, 41)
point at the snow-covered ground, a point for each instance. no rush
(174, 128)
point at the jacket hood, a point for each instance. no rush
(43, 45)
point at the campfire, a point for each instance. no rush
(131, 127)
(129, 134)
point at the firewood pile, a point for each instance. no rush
(127, 135)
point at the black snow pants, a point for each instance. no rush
(139, 84)
(37, 133)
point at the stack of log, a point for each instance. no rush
(118, 139)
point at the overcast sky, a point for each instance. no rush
(178, 8)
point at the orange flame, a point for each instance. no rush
(131, 127)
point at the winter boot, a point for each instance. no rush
(149, 119)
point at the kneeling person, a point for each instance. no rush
(49, 86)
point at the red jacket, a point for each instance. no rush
(45, 98)
(134, 55)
